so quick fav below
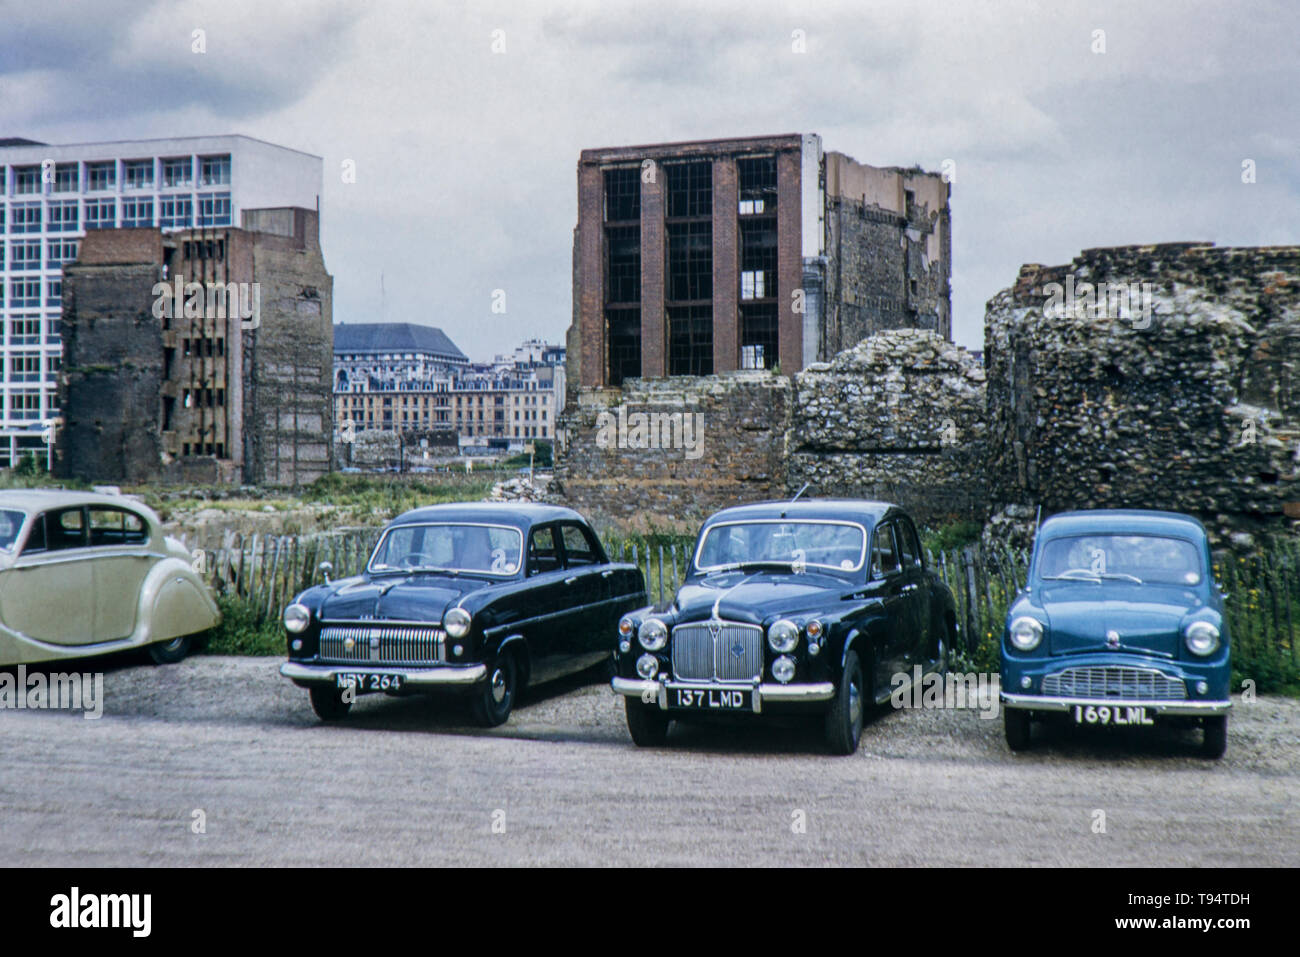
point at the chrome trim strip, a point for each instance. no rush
(1029, 702)
(441, 675)
(818, 691)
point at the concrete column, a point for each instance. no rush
(590, 244)
(654, 361)
(789, 260)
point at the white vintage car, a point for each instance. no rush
(87, 574)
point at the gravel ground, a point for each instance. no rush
(410, 781)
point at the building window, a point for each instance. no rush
(24, 405)
(214, 170)
(690, 261)
(24, 294)
(27, 218)
(2, 218)
(101, 175)
(623, 279)
(757, 176)
(690, 340)
(63, 216)
(214, 209)
(138, 174)
(25, 367)
(690, 189)
(66, 177)
(101, 213)
(177, 171)
(60, 251)
(25, 330)
(54, 292)
(27, 179)
(137, 213)
(758, 336)
(758, 259)
(24, 255)
(622, 194)
(623, 335)
(175, 211)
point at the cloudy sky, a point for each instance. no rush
(466, 157)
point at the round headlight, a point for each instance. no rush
(456, 621)
(1202, 638)
(1026, 633)
(647, 666)
(783, 636)
(625, 627)
(296, 618)
(653, 634)
(783, 669)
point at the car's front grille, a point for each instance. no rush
(382, 644)
(717, 651)
(1114, 682)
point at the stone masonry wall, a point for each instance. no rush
(1189, 405)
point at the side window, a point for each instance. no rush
(114, 526)
(543, 556)
(908, 543)
(884, 552)
(580, 546)
(36, 537)
(64, 529)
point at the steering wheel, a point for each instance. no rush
(412, 559)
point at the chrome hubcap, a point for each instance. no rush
(498, 686)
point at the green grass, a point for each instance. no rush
(240, 632)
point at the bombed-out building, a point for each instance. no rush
(752, 253)
(200, 354)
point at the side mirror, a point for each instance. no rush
(325, 568)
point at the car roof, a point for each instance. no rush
(863, 511)
(39, 499)
(1131, 520)
(522, 514)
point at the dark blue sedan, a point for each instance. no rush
(1120, 624)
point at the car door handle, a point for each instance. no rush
(570, 581)
(606, 573)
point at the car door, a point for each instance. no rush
(588, 582)
(889, 585)
(49, 593)
(915, 625)
(547, 601)
(121, 559)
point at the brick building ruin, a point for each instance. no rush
(232, 385)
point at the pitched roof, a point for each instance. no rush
(394, 337)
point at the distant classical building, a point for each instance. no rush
(52, 195)
(199, 354)
(751, 253)
(413, 380)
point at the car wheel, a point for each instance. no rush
(328, 702)
(844, 719)
(1016, 723)
(647, 723)
(170, 652)
(1215, 740)
(492, 705)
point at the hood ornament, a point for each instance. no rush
(1112, 639)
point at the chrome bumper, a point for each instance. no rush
(432, 676)
(1029, 702)
(658, 690)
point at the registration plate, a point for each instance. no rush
(364, 681)
(1111, 714)
(711, 699)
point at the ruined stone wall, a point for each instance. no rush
(1176, 393)
(112, 375)
(899, 417)
(607, 468)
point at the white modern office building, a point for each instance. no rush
(51, 195)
